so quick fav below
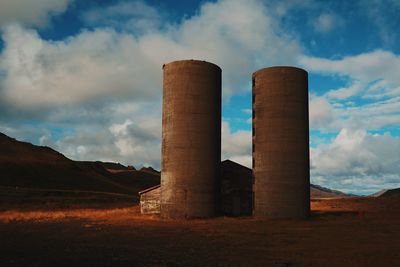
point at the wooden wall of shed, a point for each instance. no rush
(150, 202)
(236, 198)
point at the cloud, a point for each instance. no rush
(283, 7)
(132, 139)
(320, 113)
(373, 116)
(236, 146)
(374, 85)
(125, 137)
(100, 63)
(232, 26)
(136, 17)
(103, 63)
(345, 92)
(30, 13)
(325, 22)
(365, 67)
(358, 161)
(326, 115)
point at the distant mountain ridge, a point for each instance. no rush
(149, 170)
(25, 165)
(391, 193)
(317, 191)
(379, 193)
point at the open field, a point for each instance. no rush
(341, 232)
(16, 198)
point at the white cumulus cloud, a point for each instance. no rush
(364, 68)
(320, 113)
(105, 63)
(31, 12)
(358, 160)
(236, 146)
(134, 16)
(372, 76)
(74, 71)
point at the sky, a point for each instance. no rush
(85, 77)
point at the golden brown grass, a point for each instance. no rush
(340, 232)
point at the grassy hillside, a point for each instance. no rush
(28, 166)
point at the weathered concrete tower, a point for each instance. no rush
(281, 166)
(191, 139)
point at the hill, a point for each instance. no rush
(379, 193)
(28, 166)
(317, 191)
(150, 170)
(391, 193)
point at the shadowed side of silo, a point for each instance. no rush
(281, 165)
(191, 139)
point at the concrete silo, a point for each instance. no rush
(281, 166)
(191, 139)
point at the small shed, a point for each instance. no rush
(236, 196)
(150, 200)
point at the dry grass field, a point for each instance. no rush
(340, 232)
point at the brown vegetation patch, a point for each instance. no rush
(341, 232)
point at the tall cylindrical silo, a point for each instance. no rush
(281, 165)
(191, 139)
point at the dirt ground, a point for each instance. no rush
(340, 232)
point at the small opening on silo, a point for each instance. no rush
(254, 98)
(253, 82)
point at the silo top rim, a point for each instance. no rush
(194, 61)
(275, 68)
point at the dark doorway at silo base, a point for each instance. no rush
(235, 197)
